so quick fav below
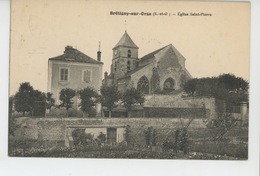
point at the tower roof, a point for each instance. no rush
(126, 41)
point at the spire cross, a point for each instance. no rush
(99, 43)
(125, 25)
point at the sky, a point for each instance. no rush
(212, 45)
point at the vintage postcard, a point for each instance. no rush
(133, 79)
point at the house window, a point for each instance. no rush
(129, 53)
(86, 76)
(64, 74)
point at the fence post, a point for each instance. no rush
(243, 110)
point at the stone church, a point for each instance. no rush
(161, 71)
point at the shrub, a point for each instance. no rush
(101, 139)
(150, 136)
(177, 141)
(75, 113)
(80, 138)
(127, 135)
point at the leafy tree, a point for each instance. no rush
(50, 102)
(206, 87)
(226, 87)
(110, 96)
(190, 86)
(66, 96)
(12, 125)
(233, 83)
(130, 97)
(23, 98)
(88, 97)
(27, 99)
(11, 101)
(39, 103)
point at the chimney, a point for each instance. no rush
(99, 53)
(68, 48)
(105, 74)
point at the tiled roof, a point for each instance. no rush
(132, 71)
(73, 55)
(111, 76)
(151, 55)
(126, 41)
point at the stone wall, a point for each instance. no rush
(53, 130)
(176, 101)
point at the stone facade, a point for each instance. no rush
(161, 70)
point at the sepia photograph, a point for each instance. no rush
(129, 80)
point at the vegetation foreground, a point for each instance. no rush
(125, 153)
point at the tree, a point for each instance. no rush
(66, 96)
(110, 96)
(130, 97)
(88, 97)
(50, 102)
(39, 103)
(226, 87)
(12, 124)
(23, 98)
(219, 127)
(233, 83)
(11, 101)
(27, 99)
(190, 86)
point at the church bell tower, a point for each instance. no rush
(125, 56)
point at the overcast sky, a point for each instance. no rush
(212, 45)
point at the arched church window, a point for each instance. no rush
(129, 53)
(128, 65)
(143, 85)
(168, 84)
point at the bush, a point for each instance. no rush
(80, 138)
(101, 139)
(177, 141)
(127, 135)
(150, 136)
(75, 113)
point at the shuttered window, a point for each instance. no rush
(86, 76)
(64, 74)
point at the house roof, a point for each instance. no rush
(126, 41)
(73, 55)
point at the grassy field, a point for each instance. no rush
(125, 153)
